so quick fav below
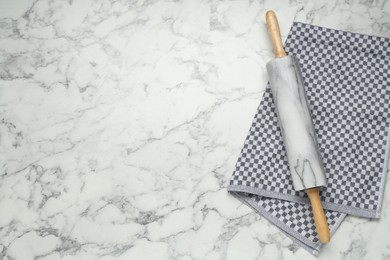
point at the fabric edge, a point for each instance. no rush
(384, 177)
(326, 205)
(310, 246)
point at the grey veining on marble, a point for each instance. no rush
(300, 142)
(121, 123)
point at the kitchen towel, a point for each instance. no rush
(346, 76)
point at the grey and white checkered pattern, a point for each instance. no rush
(294, 215)
(347, 80)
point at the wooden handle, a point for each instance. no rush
(319, 216)
(274, 33)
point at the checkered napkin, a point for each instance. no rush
(347, 80)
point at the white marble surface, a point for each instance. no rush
(121, 123)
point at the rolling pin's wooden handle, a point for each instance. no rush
(319, 216)
(274, 33)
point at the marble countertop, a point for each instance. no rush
(121, 123)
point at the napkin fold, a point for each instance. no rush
(347, 81)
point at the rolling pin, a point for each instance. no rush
(288, 91)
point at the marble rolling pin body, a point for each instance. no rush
(297, 128)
